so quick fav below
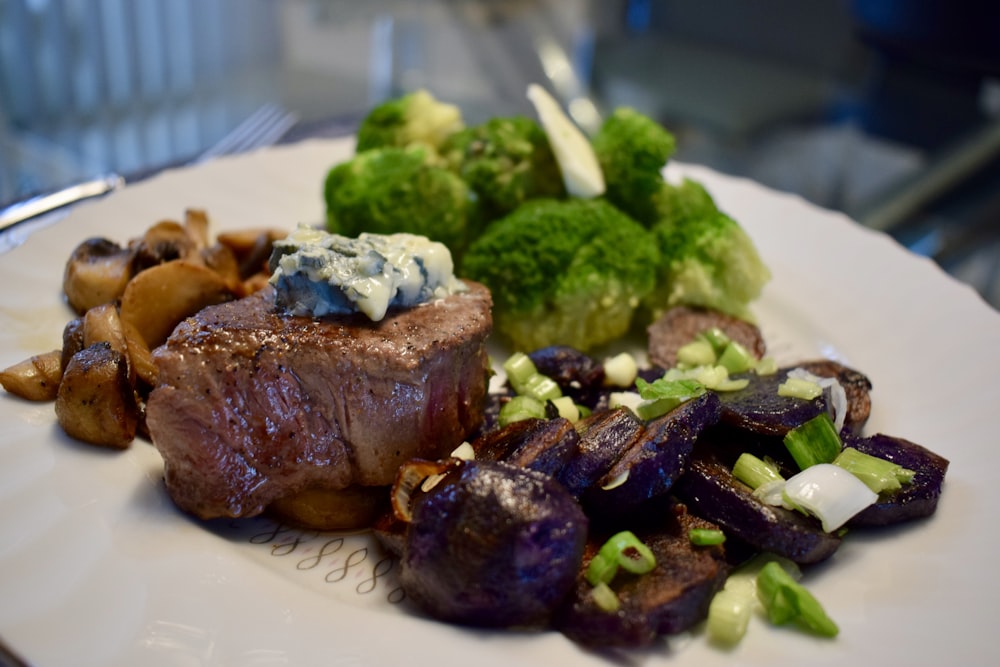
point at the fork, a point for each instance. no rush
(263, 127)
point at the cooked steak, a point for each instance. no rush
(253, 406)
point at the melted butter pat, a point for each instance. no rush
(316, 273)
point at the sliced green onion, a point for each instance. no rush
(620, 370)
(786, 600)
(540, 387)
(798, 388)
(830, 493)
(521, 407)
(698, 352)
(631, 553)
(706, 537)
(624, 399)
(519, 367)
(566, 408)
(622, 551)
(755, 472)
(731, 608)
(814, 441)
(878, 474)
(766, 366)
(735, 358)
(601, 569)
(605, 598)
(716, 337)
(524, 378)
(728, 617)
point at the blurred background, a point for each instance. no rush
(888, 110)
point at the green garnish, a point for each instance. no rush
(662, 395)
(622, 551)
(798, 388)
(605, 598)
(786, 600)
(878, 474)
(755, 472)
(814, 441)
(524, 378)
(706, 537)
(521, 407)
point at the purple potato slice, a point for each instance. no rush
(493, 545)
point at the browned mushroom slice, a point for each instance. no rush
(96, 272)
(164, 242)
(34, 379)
(96, 402)
(159, 298)
(681, 324)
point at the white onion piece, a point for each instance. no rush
(771, 493)
(830, 493)
(580, 169)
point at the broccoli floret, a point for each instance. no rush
(388, 190)
(683, 201)
(563, 271)
(414, 118)
(708, 260)
(506, 161)
(632, 150)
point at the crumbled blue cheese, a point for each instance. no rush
(316, 273)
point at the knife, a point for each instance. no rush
(36, 206)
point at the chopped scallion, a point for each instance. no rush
(878, 474)
(622, 551)
(786, 600)
(798, 388)
(736, 359)
(814, 441)
(698, 352)
(716, 337)
(519, 367)
(567, 408)
(521, 407)
(605, 598)
(728, 616)
(706, 537)
(524, 378)
(620, 370)
(755, 472)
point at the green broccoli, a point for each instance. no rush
(632, 150)
(683, 201)
(707, 260)
(414, 118)
(563, 271)
(388, 190)
(506, 161)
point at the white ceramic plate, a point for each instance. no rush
(98, 568)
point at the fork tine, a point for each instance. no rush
(261, 128)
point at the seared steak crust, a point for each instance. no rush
(253, 405)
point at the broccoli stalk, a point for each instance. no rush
(389, 190)
(415, 118)
(632, 150)
(708, 260)
(506, 161)
(569, 271)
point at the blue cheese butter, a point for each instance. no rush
(316, 273)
